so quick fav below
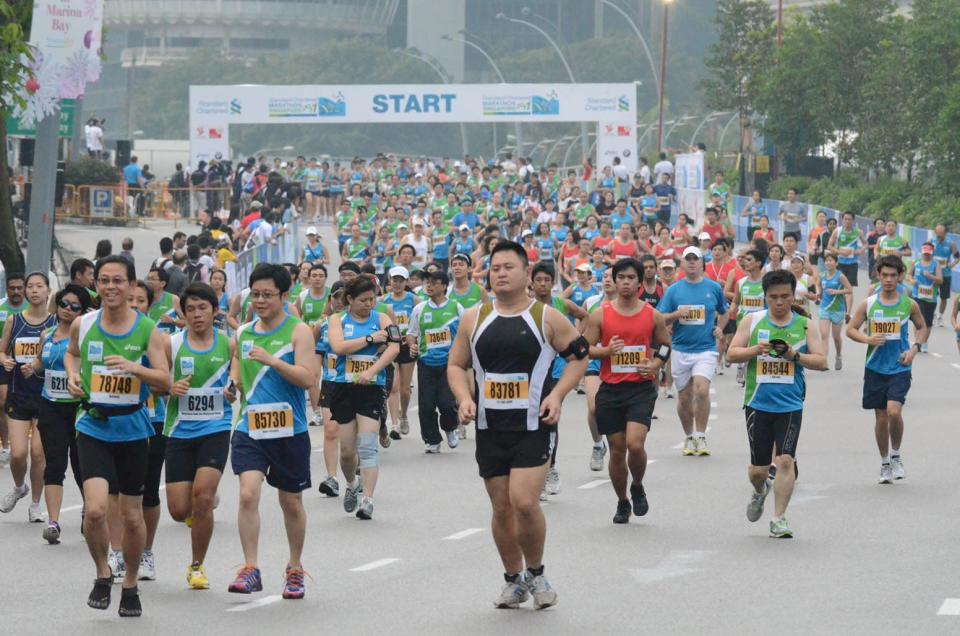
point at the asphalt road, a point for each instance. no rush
(866, 558)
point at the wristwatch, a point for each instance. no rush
(918, 346)
(369, 339)
(796, 356)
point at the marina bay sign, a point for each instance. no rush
(213, 109)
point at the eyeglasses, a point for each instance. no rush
(74, 307)
(264, 295)
(104, 282)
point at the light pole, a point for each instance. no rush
(445, 78)
(527, 12)
(702, 123)
(663, 72)
(496, 69)
(556, 47)
(643, 42)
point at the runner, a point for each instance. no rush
(945, 252)
(511, 344)
(11, 305)
(198, 421)
(113, 427)
(777, 344)
(887, 376)
(401, 302)
(433, 326)
(927, 277)
(591, 379)
(698, 311)
(272, 366)
(328, 362)
(847, 244)
(19, 348)
(718, 270)
(835, 301)
(747, 298)
(58, 409)
(311, 303)
(365, 347)
(163, 311)
(631, 340)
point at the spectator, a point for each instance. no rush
(93, 136)
(133, 177)
(662, 167)
(177, 276)
(178, 184)
(127, 251)
(194, 269)
(620, 171)
(198, 180)
(645, 171)
(104, 249)
(166, 253)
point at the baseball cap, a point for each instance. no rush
(526, 233)
(668, 263)
(311, 230)
(464, 226)
(926, 249)
(400, 271)
(256, 205)
(704, 236)
(695, 251)
(417, 222)
(797, 256)
(583, 267)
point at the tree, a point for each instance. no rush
(740, 59)
(14, 49)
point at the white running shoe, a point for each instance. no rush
(669, 394)
(4, 457)
(939, 320)
(432, 449)
(404, 425)
(741, 374)
(689, 446)
(596, 457)
(119, 567)
(755, 507)
(896, 467)
(9, 501)
(453, 440)
(511, 595)
(543, 495)
(553, 481)
(543, 593)
(148, 568)
(886, 474)
(35, 513)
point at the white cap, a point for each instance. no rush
(464, 226)
(399, 270)
(311, 230)
(526, 233)
(583, 267)
(417, 222)
(704, 236)
(693, 250)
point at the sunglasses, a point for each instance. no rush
(74, 307)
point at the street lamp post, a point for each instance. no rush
(663, 72)
(556, 47)
(445, 78)
(643, 42)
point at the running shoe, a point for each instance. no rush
(453, 440)
(512, 594)
(432, 449)
(543, 495)
(939, 320)
(317, 421)
(148, 567)
(384, 437)
(130, 603)
(119, 567)
(623, 512)
(924, 348)
(596, 457)
(896, 467)
(9, 501)
(330, 487)
(197, 577)
(51, 534)
(404, 425)
(779, 529)
(719, 369)
(700, 447)
(365, 511)
(35, 513)
(293, 586)
(838, 363)
(669, 394)
(462, 431)
(886, 474)
(100, 594)
(755, 507)
(639, 496)
(553, 481)
(689, 446)
(543, 594)
(772, 472)
(580, 391)
(394, 433)
(741, 374)
(247, 581)
(352, 497)
(4, 458)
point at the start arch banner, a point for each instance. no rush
(613, 107)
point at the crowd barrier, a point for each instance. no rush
(694, 202)
(119, 202)
(286, 249)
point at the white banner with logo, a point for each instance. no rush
(689, 171)
(286, 249)
(617, 139)
(214, 108)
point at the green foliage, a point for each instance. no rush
(89, 171)
(13, 49)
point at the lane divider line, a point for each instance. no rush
(267, 600)
(463, 534)
(373, 565)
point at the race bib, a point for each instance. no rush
(270, 421)
(772, 370)
(438, 338)
(628, 359)
(752, 303)
(696, 315)
(332, 362)
(403, 320)
(55, 385)
(25, 349)
(924, 292)
(941, 259)
(506, 391)
(888, 327)
(108, 386)
(202, 404)
(663, 201)
(358, 364)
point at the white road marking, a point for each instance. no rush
(677, 563)
(463, 534)
(936, 355)
(950, 607)
(713, 416)
(806, 492)
(713, 391)
(373, 565)
(955, 365)
(80, 506)
(714, 405)
(267, 600)
(593, 484)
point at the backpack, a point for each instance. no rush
(194, 272)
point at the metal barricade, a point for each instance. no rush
(178, 204)
(112, 204)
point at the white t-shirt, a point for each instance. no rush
(645, 174)
(93, 135)
(546, 217)
(662, 167)
(262, 234)
(620, 172)
(422, 247)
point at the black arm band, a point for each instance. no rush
(579, 349)
(659, 353)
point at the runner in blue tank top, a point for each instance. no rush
(835, 300)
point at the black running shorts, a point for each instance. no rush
(767, 431)
(498, 452)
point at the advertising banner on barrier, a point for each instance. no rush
(213, 109)
(286, 249)
(617, 140)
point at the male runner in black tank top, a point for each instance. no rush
(510, 345)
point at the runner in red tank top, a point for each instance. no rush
(623, 246)
(631, 340)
